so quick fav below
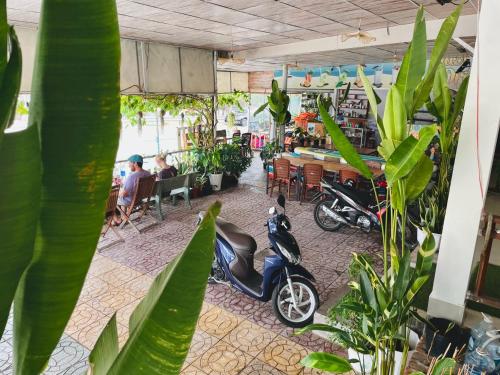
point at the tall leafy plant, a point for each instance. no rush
(277, 103)
(385, 301)
(448, 112)
(57, 177)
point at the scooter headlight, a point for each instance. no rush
(292, 258)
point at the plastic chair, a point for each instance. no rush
(281, 174)
(312, 174)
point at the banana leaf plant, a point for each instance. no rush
(57, 177)
(385, 303)
(448, 112)
(278, 103)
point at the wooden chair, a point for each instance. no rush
(346, 174)
(312, 174)
(281, 174)
(109, 215)
(140, 201)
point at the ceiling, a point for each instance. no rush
(235, 25)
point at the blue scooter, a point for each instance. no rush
(287, 284)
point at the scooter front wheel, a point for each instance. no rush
(295, 306)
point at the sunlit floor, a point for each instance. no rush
(236, 334)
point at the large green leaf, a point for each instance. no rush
(373, 99)
(414, 61)
(440, 46)
(367, 292)
(406, 156)
(19, 204)
(458, 105)
(442, 97)
(9, 87)
(444, 366)
(162, 325)
(319, 327)
(260, 109)
(327, 362)
(418, 178)
(3, 37)
(395, 116)
(343, 145)
(105, 349)
(76, 106)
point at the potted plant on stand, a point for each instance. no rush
(385, 303)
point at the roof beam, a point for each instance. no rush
(464, 44)
(397, 34)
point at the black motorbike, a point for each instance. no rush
(342, 204)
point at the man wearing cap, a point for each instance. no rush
(127, 191)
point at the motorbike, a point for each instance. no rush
(284, 281)
(342, 204)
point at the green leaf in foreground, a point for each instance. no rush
(162, 325)
(9, 87)
(343, 145)
(406, 156)
(418, 178)
(327, 362)
(105, 349)
(19, 205)
(76, 106)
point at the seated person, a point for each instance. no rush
(167, 171)
(128, 189)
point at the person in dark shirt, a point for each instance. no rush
(167, 171)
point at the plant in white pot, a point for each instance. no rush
(215, 169)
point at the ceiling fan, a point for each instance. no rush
(363, 36)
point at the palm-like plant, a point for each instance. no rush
(57, 177)
(385, 303)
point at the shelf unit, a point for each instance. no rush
(352, 115)
(309, 102)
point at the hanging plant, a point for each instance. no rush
(139, 122)
(162, 120)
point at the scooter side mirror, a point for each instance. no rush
(272, 210)
(281, 200)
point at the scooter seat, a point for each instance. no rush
(239, 240)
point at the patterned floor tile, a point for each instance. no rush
(93, 288)
(82, 316)
(257, 367)
(191, 370)
(119, 276)
(102, 265)
(222, 359)
(123, 314)
(285, 355)
(217, 322)
(88, 335)
(201, 342)
(111, 301)
(250, 338)
(139, 286)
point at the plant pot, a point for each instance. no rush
(196, 192)
(438, 338)
(216, 181)
(365, 360)
(421, 237)
(229, 181)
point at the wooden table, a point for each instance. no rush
(329, 166)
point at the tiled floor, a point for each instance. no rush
(236, 334)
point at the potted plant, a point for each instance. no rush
(443, 337)
(268, 152)
(214, 168)
(385, 306)
(199, 183)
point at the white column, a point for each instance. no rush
(465, 202)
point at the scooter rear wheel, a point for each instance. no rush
(321, 218)
(306, 298)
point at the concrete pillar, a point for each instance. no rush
(472, 165)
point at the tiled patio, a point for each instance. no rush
(235, 335)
